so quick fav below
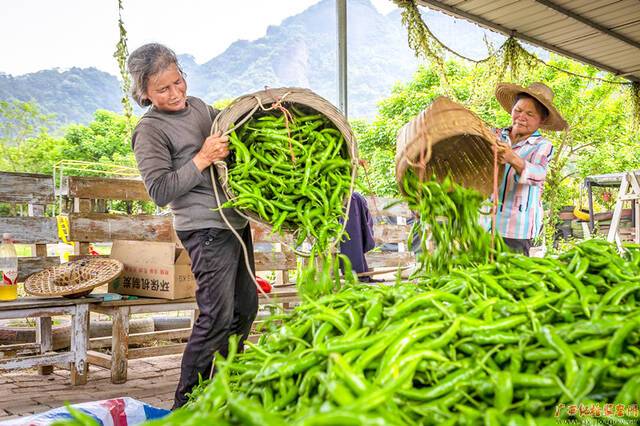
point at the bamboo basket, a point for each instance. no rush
(242, 108)
(444, 139)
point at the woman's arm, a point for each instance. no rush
(532, 172)
(153, 156)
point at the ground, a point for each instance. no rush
(24, 392)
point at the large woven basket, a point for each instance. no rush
(447, 138)
(303, 99)
(73, 279)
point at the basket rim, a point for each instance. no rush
(244, 104)
(35, 285)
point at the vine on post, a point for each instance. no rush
(511, 56)
(121, 54)
(420, 38)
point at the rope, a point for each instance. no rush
(287, 117)
(232, 229)
(494, 207)
(223, 165)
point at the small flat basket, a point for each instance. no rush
(73, 279)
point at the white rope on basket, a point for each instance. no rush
(222, 166)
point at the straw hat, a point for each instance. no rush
(506, 94)
(73, 279)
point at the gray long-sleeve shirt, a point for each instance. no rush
(164, 144)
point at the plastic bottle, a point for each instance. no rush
(8, 269)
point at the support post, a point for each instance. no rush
(120, 345)
(44, 339)
(79, 343)
(341, 12)
(592, 224)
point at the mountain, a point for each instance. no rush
(301, 51)
(71, 95)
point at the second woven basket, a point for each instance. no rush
(448, 139)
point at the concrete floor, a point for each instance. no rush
(25, 392)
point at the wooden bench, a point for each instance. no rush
(120, 312)
(28, 197)
(90, 221)
(43, 310)
(87, 203)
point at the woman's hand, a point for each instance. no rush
(214, 148)
(507, 155)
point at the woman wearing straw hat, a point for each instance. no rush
(174, 150)
(526, 155)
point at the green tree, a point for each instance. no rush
(19, 122)
(104, 140)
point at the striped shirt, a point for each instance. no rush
(520, 196)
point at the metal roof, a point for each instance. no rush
(603, 33)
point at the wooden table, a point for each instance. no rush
(43, 309)
(120, 311)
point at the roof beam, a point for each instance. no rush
(629, 72)
(588, 22)
(509, 32)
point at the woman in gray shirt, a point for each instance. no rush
(174, 150)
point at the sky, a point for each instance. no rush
(43, 34)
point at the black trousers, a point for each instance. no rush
(517, 245)
(226, 297)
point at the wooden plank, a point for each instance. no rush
(31, 230)
(120, 345)
(81, 249)
(141, 338)
(48, 303)
(10, 351)
(36, 360)
(36, 210)
(99, 359)
(262, 234)
(26, 188)
(39, 250)
(176, 348)
(167, 306)
(99, 206)
(377, 207)
(138, 302)
(31, 265)
(36, 312)
(617, 211)
(82, 205)
(107, 188)
(79, 342)
(99, 227)
(44, 338)
(385, 233)
(386, 259)
(274, 261)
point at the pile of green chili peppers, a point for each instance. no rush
(447, 214)
(515, 342)
(294, 174)
(511, 341)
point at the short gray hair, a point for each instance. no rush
(145, 61)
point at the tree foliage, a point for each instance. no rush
(20, 122)
(28, 147)
(601, 139)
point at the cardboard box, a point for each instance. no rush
(153, 269)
